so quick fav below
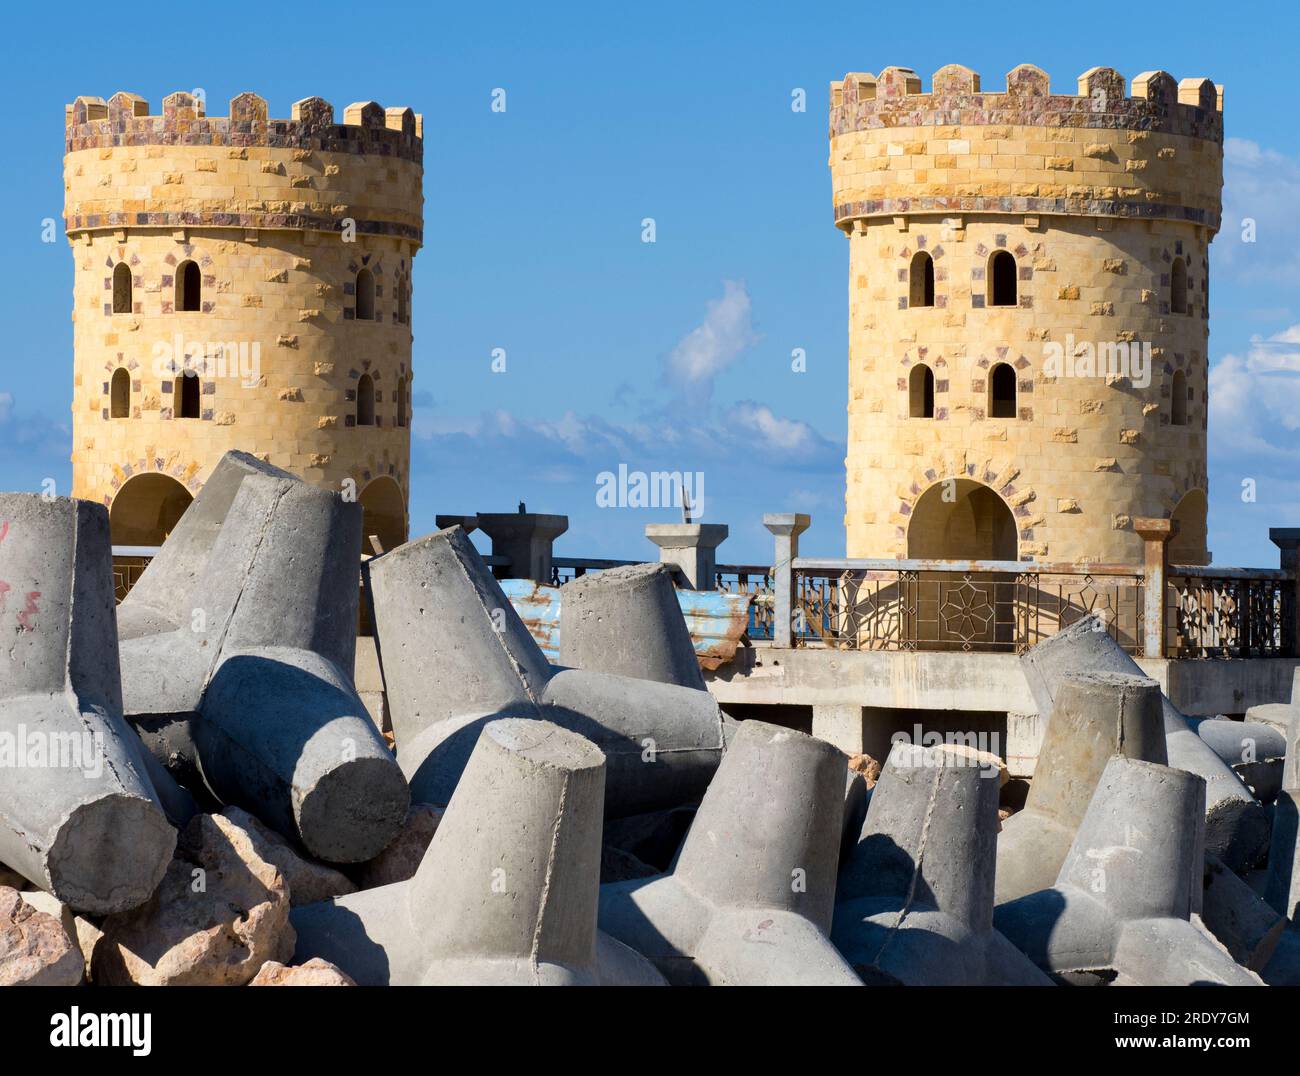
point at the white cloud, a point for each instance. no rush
(1255, 400)
(717, 342)
(773, 432)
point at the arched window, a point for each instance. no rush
(365, 295)
(366, 401)
(1178, 287)
(1178, 399)
(120, 396)
(403, 311)
(921, 277)
(1002, 391)
(1002, 279)
(188, 391)
(189, 286)
(401, 401)
(121, 288)
(920, 384)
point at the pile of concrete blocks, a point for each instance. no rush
(455, 656)
(596, 821)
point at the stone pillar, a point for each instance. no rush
(691, 549)
(841, 725)
(1287, 540)
(524, 537)
(786, 526)
(1155, 535)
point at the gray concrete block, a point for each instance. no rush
(750, 898)
(238, 667)
(507, 891)
(628, 621)
(915, 899)
(1237, 826)
(80, 816)
(1094, 717)
(1128, 896)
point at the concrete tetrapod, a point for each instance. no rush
(455, 655)
(1237, 826)
(628, 621)
(80, 816)
(506, 893)
(1095, 717)
(750, 899)
(243, 683)
(1123, 904)
(915, 897)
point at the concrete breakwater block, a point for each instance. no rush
(628, 621)
(237, 649)
(80, 815)
(507, 891)
(1237, 826)
(752, 894)
(662, 742)
(1124, 904)
(1095, 716)
(915, 898)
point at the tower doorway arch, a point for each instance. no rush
(961, 519)
(383, 514)
(147, 509)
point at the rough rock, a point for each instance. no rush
(220, 913)
(316, 972)
(399, 861)
(35, 950)
(308, 881)
(867, 766)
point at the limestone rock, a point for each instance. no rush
(399, 860)
(35, 950)
(308, 881)
(867, 766)
(316, 972)
(220, 913)
(82, 931)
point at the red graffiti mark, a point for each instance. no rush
(25, 617)
(4, 529)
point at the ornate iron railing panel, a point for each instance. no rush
(1234, 614)
(754, 579)
(978, 607)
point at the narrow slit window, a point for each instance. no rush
(366, 401)
(188, 393)
(1002, 391)
(922, 280)
(921, 392)
(365, 295)
(189, 287)
(122, 288)
(120, 396)
(1002, 279)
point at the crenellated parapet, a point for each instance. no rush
(1152, 151)
(126, 168)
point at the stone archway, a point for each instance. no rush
(147, 509)
(383, 514)
(1187, 546)
(961, 519)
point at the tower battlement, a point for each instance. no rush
(126, 168)
(1153, 154)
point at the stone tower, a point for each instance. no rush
(241, 283)
(1015, 257)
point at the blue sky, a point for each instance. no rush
(674, 355)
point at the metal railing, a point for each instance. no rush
(982, 606)
(1229, 613)
(755, 580)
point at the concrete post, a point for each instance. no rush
(1287, 540)
(691, 549)
(468, 523)
(524, 537)
(841, 724)
(1155, 535)
(786, 526)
